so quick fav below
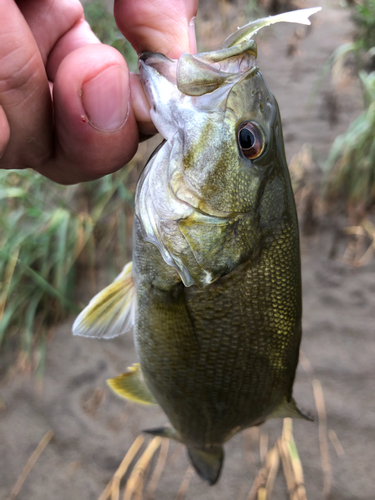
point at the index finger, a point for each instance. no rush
(158, 25)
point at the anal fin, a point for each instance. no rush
(288, 409)
(131, 385)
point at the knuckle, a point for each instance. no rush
(19, 69)
(66, 11)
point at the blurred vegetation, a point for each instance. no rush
(48, 231)
(45, 230)
(351, 162)
(364, 19)
(104, 26)
(350, 168)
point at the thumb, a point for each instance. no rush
(158, 25)
(96, 132)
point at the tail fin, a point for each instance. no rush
(208, 464)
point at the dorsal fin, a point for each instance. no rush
(111, 312)
(288, 409)
(131, 385)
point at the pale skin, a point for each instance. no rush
(69, 108)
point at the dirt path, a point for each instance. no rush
(93, 429)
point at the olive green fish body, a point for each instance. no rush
(223, 358)
(214, 290)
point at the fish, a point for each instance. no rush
(214, 288)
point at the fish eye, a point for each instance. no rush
(250, 140)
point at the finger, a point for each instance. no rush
(157, 25)
(96, 132)
(58, 29)
(49, 20)
(4, 132)
(141, 108)
(78, 36)
(24, 92)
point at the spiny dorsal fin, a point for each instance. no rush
(111, 312)
(165, 432)
(288, 409)
(207, 463)
(131, 385)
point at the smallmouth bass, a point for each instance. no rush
(214, 289)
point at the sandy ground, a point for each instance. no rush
(93, 429)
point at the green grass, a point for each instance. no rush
(364, 19)
(350, 167)
(44, 230)
(351, 162)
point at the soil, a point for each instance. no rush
(93, 428)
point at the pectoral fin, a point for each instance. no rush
(111, 312)
(288, 409)
(208, 463)
(131, 385)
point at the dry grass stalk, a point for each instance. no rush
(259, 482)
(294, 459)
(263, 484)
(91, 405)
(156, 475)
(263, 446)
(185, 483)
(356, 253)
(8, 274)
(336, 443)
(323, 441)
(134, 485)
(322, 426)
(274, 463)
(249, 455)
(262, 493)
(113, 486)
(287, 468)
(30, 464)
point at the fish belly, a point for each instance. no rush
(220, 359)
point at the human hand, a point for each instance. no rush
(91, 125)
